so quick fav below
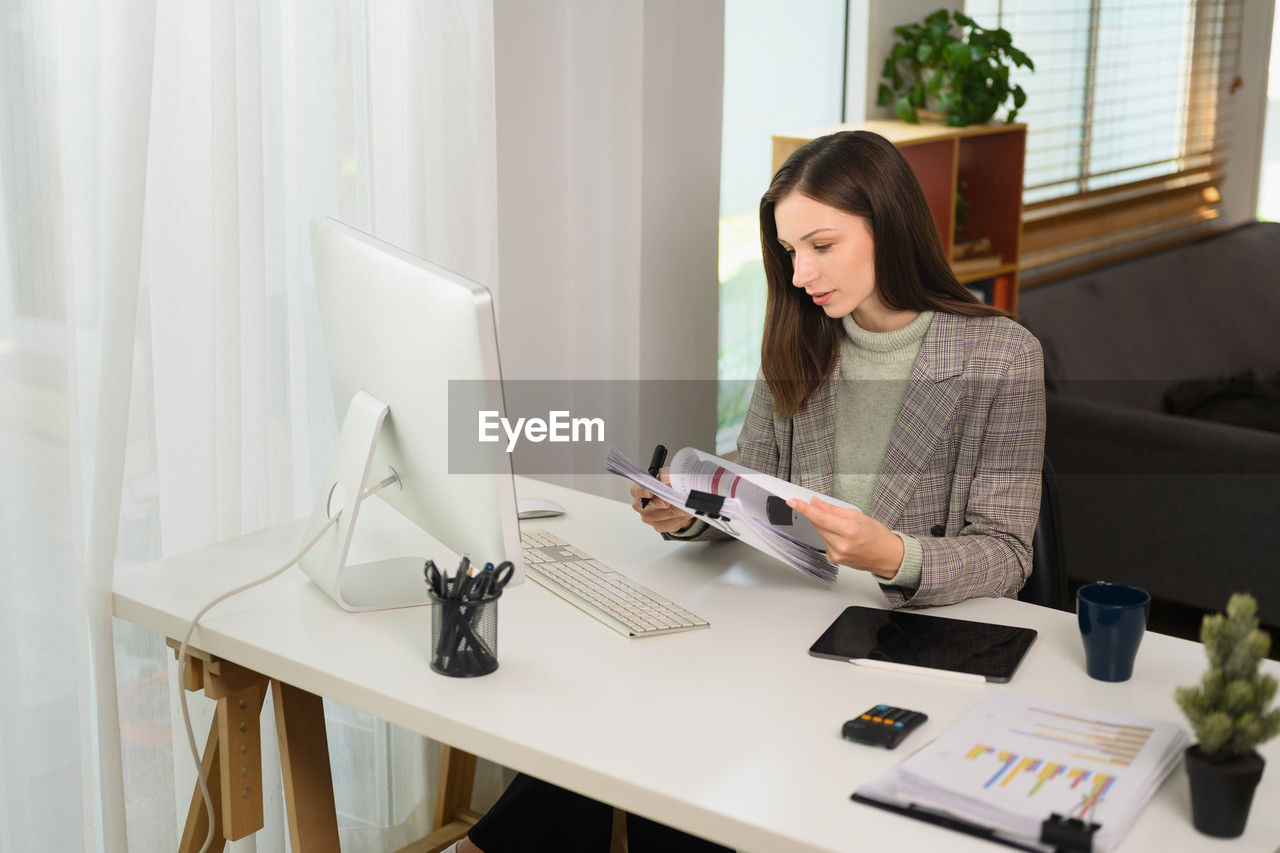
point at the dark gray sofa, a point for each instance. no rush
(1186, 508)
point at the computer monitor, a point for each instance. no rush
(397, 330)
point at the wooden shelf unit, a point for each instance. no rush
(988, 158)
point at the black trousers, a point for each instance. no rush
(533, 816)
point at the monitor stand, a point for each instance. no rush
(377, 585)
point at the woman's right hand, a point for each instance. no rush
(659, 514)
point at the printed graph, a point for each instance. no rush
(1091, 742)
(1016, 772)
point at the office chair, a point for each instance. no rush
(1047, 585)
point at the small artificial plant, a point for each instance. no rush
(1228, 708)
(960, 68)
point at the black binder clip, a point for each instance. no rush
(705, 503)
(1068, 834)
(780, 515)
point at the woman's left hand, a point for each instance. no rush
(853, 538)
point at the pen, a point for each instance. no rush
(908, 669)
(461, 577)
(655, 467)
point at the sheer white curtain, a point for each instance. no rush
(74, 94)
(161, 372)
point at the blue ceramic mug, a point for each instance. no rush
(1113, 617)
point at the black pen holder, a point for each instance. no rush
(464, 636)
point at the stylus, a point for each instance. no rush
(655, 467)
(908, 669)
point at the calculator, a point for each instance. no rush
(883, 725)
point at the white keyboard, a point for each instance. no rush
(613, 598)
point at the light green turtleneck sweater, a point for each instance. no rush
(875, 368)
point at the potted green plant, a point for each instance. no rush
(953, 66)
(1228, 711)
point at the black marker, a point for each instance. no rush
(656, 462)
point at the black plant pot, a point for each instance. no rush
(1222, 791)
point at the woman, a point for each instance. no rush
(887, 385)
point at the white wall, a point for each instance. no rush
(871, 38)
(1247, 116)
(608, 125)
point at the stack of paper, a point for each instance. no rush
(747, 494)
(1011, 762)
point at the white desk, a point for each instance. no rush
(732, 733)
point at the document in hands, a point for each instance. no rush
(754, 508)
(1011, 762)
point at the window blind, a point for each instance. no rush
(1126, 114)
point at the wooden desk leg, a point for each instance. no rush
(304, 762)
(240, 757)
(618, 833)
(453, 815)
(197, 826)
(457, 779)
(233, 758)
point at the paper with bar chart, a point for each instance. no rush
(1012, 761)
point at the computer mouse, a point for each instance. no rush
(537, 508)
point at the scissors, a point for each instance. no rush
(493, 580)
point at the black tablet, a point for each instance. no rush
(916, 639)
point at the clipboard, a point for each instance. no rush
(932, 642)
(1057, 833)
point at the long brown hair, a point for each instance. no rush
(861, 173)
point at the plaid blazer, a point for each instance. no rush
(962, 469)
